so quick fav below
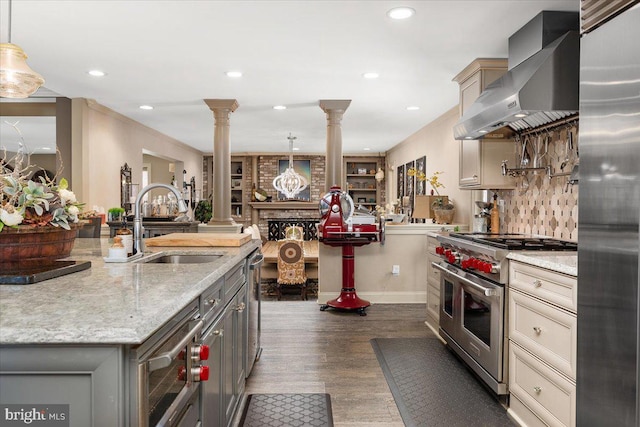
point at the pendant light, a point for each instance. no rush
(17, 79)
(290, 183)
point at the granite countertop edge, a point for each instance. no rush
(560, 262)
(110, 303)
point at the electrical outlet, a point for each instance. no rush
(395, 270)
(501, 205)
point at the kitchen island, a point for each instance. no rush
(74, 340)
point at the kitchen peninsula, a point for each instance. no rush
(73, 340)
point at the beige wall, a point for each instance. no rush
(104, 140)
(405, 245)
(435, 141)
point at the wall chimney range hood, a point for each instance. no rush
(541, 86)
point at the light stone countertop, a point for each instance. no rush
(561, 262)
(110, 303)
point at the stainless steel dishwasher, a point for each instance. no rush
(253, 305)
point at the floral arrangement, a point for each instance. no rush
(35, 201)
(432, 180)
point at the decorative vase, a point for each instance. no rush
(443, 216)
(35, 246)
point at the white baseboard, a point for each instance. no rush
(381, 297)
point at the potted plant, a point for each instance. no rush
(38, 217)
(115, 213)
(203, 211)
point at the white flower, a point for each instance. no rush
(67, 196)
(10, 219)
(73, 212)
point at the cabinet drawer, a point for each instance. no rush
(433, 303)
(554, 287)
(233, 280)
(546, 392)
(433, 274)
(212, 301)
(523, 415)
(432, 244)
(544, 330)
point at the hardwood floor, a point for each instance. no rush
(309, 351)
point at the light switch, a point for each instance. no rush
(395, 270)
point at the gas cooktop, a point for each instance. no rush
(515, 242)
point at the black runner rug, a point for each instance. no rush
(432, 387)
(287, 410)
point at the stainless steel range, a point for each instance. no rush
(474, 272)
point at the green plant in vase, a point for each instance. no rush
(115, 214)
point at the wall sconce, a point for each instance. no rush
(379, 175)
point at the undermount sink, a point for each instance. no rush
(182, 259)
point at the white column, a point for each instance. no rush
(334, 110)
(221, 184)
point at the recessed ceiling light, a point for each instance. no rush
(371, 75)
(520, 115)
(366, 149)
(295, 149)
(401, 13)
(413, 108)
(279, 107)
(483, 131)
(468, 137)
(96, 73)
(234, 73)
(46, 148)
(146, 107)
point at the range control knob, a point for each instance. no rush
(486, 267)
(466, 263)
(439, 250)
(200, 373)
(200, 352)
(182, 373)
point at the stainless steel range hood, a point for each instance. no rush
(540, 90)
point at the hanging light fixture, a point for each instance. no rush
(290, 183)
(17, 79)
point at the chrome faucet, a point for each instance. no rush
(138, 245)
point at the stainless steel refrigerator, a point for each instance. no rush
(608, 392)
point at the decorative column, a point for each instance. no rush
(334, 110)
(221, 185)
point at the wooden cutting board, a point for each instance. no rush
(199, 239)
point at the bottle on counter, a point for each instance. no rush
(495, 216)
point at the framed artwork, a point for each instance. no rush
(303, 167)
(400, 181)
(409, 188)
(421, 166)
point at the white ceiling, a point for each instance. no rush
(173, 54)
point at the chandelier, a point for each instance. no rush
(17, 79)
(290, 183)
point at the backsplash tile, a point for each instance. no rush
(547, 206)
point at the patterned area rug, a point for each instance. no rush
(432, 387)
(287, 410)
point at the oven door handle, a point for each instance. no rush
(164, 359)
(488, 292)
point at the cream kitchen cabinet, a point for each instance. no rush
(480, 160)
(433, 284)
(542, 346)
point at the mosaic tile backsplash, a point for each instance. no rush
(547, 206)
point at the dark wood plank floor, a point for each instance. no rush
(309, 351)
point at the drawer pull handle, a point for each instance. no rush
(537, 389)
(240, 308)
(537, 330)
(218, 332)
(537, 283)
(212, 302)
